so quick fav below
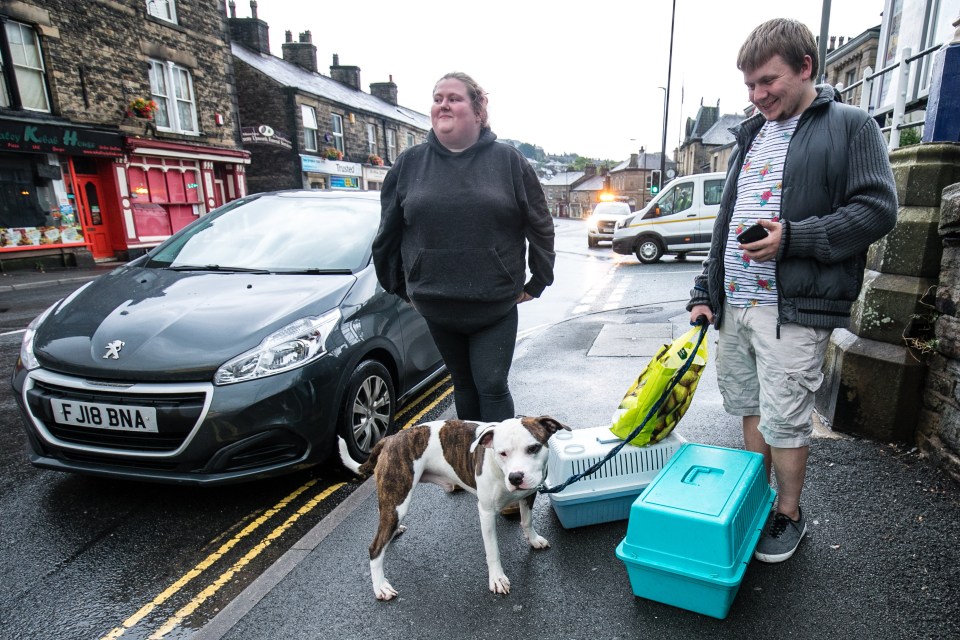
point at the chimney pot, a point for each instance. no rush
(233, 9)
(289, 35)
(253, 9)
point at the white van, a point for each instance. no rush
(678, 221)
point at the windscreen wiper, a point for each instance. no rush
(216, 267)
(314, 271)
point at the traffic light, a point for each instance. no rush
(655, 182)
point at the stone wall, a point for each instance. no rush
(888, 377)
(938, 429)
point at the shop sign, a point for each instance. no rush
(344, 182)
(21, 237)
(374, 174)
(313, 164)
(46, 138)
(264, 134)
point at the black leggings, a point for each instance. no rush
(479, 363)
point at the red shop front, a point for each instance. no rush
(165, 186)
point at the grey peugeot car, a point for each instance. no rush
(238, 349)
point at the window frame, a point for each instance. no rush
(313, 131)
(169, 5)
(11, 95)
(336, 126)
(391, 145)
(372, 139)
(170, 102)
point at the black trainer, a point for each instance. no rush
(780, 537)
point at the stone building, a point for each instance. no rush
(557, 187)
(702, 136)
(631, 180)
(308, 130)
(119, 125)
(845, 64)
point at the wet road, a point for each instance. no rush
(96, 558)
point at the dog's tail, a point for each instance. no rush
(364, 470)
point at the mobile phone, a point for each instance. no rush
(752, 234)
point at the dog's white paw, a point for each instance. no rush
(384, 591)
(539, 542)
(500, 584)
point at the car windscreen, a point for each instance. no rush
(277, 234)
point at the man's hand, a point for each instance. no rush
(701, 310)
(765, 250)
(524, 297)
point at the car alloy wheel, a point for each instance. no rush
(649, 250)
(368, 407)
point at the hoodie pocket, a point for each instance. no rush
(475, 275)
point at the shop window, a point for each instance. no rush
(26, 87)
(171, 87)
(337, 125)
(372, 139)
(309, 117)
(157, 183)
(163, 9)
(391, 145)
(176, 189)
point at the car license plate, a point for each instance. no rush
(105, 416)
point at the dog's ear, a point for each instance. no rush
(484, 437)
(551, 425)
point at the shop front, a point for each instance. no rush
(165, 186)
(320, 173)
(373, 178)
(55, 178)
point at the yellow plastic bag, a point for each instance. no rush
(653, 381)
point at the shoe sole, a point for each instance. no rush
(772, 558)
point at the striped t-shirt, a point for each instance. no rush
(759, 185)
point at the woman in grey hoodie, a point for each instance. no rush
(460, 214)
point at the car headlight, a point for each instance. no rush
(293, 346)
(27, 360)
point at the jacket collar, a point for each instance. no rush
(748, 128)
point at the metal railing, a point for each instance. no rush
(905, 101)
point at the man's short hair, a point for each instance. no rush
(790, 39)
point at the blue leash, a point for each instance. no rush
(704, 325)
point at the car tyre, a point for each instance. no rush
(366, 414)
(649, 250)
(592, 242)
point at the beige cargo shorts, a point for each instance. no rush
(759, 374)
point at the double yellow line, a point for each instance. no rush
(224, 578)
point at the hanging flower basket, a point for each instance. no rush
(141, 108)
(375, 160)
(332, 153)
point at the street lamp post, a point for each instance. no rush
(666, 98)
(663, 143)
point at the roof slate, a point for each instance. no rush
(719, 133)
(562, 179)
(291, 75)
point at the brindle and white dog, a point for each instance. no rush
(500, 462)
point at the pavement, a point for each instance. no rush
(881, 558)
(20, 279)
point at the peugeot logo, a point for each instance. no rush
(113, 350)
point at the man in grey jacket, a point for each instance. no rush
(814, 175)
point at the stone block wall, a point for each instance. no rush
(938, 429)
(894, 375)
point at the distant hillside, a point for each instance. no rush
(573, 160)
